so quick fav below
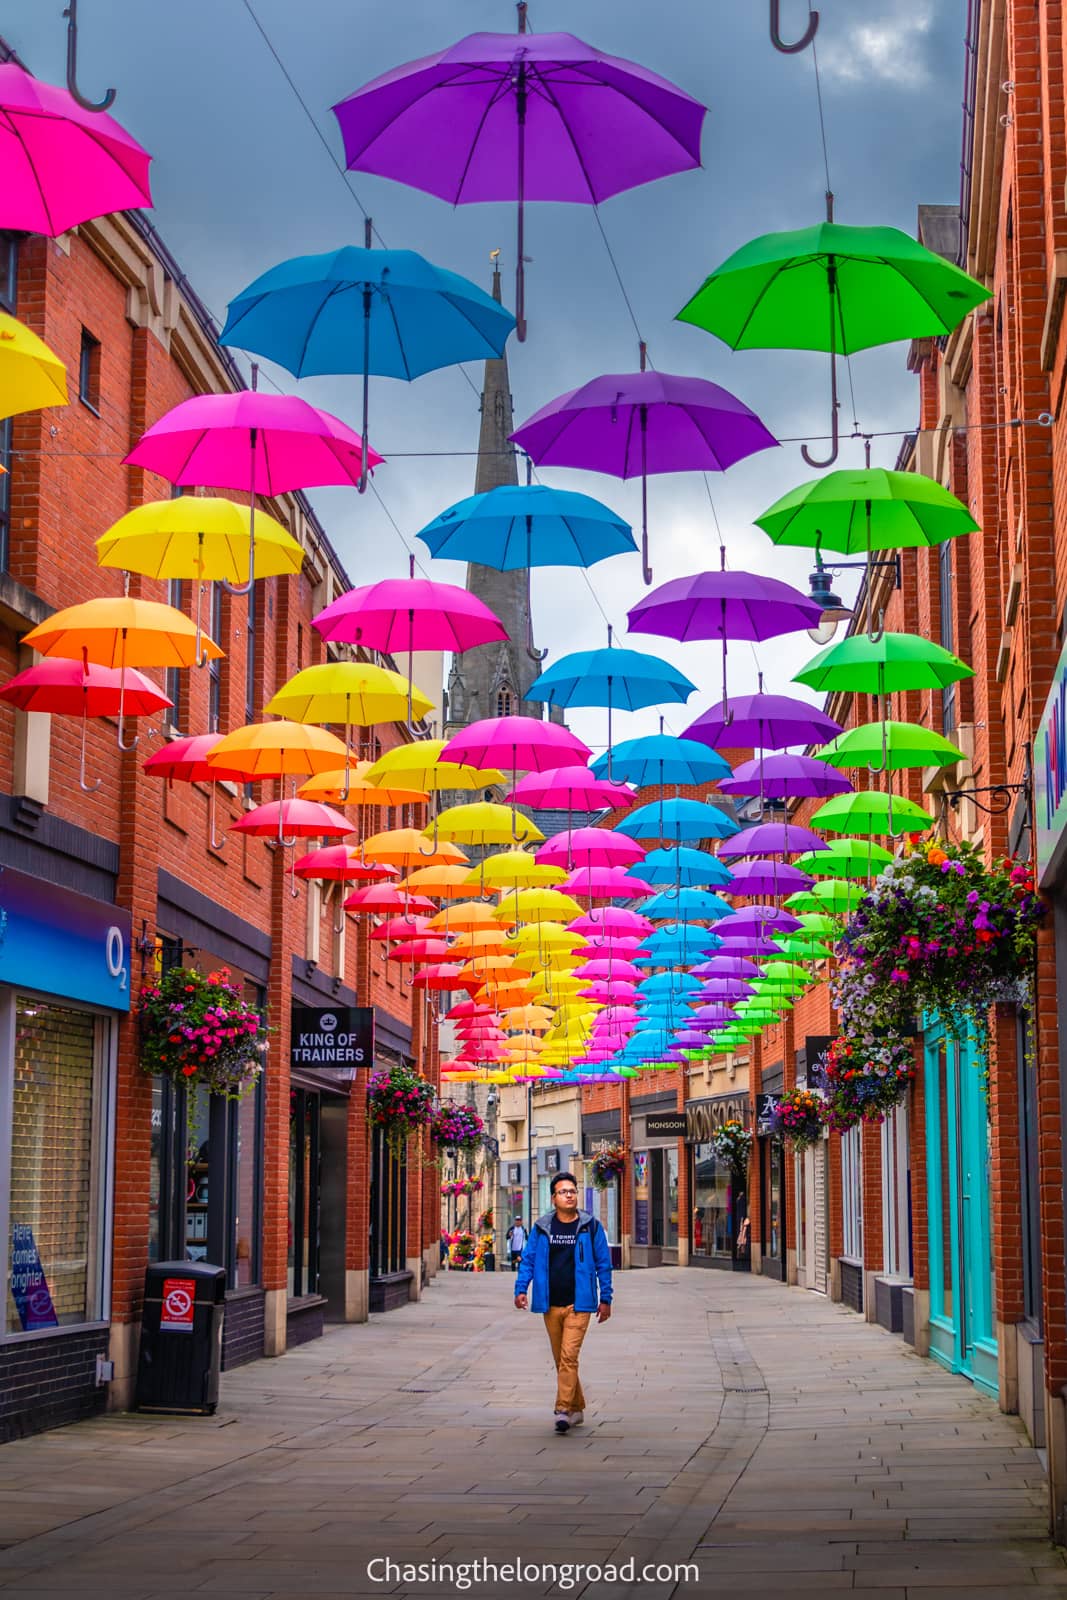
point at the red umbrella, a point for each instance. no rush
(340, 863)
(417, 951)
(441, 975)
(66, 688)
(301, 819)
(401, 928)
(187, 759)
(381, 897)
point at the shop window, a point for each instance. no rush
(9, 272)
(89, 372)
(304, 1148)
(896, 1192)
(55, 1194)
(852, 1194)
(720, 1206)
(174, 678)
(388, 1209)
(1031, 1217)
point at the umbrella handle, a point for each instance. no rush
(885, 745)
(835, 434)
(432, 851)
(89, 788)
(120, 741)
(776, 31)
(216, 844)
(71, 14)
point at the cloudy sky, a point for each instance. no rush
(242, 180)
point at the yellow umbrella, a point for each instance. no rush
(121, 632)
(276, 750)
(481, 942)
(418, 764)
(514, 869)
(483, 824)
(549, 936)
(406, 847)
(440, 883)
(524, 1043)
(31, 375)
(329, 787)
(536, 905)
(556, 985)
(472, 917)
(356, 693)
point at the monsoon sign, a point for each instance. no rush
(1050, 777)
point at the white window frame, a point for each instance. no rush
(896, 1160)
(102, 1168)
(852, 1194)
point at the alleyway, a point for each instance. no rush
(782, 1444)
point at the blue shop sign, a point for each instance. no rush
(63, 943)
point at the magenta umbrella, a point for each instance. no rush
(617, 919)
(303, 819)
(603, 883)
(632, 424)
(624, 971)
(608, 991)
(532, 116)
(592, 846)
(62, 163)
(575, 789)
(265, 444)
(763, 721)
(520, 743)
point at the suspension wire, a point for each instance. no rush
(819, 101)
(618, 274)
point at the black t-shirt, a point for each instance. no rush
(562, 1242)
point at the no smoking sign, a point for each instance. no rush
(179, 1303)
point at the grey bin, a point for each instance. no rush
(181, 1337)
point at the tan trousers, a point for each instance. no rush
(566, 1330)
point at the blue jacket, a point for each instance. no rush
(592, 1264)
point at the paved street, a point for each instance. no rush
(771, 1437)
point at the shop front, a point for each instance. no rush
(811, 1188)
(601, 1131)
(656, 1130)
(769, 1250)
(719, 1234)
(392, 1280)
(64, 990)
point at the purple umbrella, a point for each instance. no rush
(764, 721)
(751, 945)
(715, 1013)
(532, 116)
(630, 424)
(762, 921)
(722, 991)
(798, 777)
(724, 605)
(772, 839)
(768, 877)
(721, 966)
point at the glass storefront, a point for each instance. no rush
(772, 1185)
(719, 1231)
(656, 1197)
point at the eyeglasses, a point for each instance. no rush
(565, 1191)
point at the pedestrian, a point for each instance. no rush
(516, 1243)
(568, 1264)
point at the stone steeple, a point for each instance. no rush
(490, 681)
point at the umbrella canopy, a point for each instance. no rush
(622, 680)
(516, 742)
(484, 824)
(661, 758)
(763, 721)
(764, 920)
(883, 666)
(610, 919)
(187, 759)
(466, 917)
(352, 789)
(846, 858)
(678, 821)
(62, 687)
(341, 864)
(591, 846)
(31, 375)
(407, 614)
(532, 116)
(856, 511)
(795, 777)
(121, 632)
(721, 966)
(684, 867)
(198, 537)
(406, 847)
(514, 869)
(724, 605)
(603, 883)
(377, 898)
(276, 750)
(685, 903)
(348, 692)
(870, 811)
(420, 765)
(571, 789)
(890, 747)
(834, 288)
(444, 883)
(537, 905)
(302, 819)
(62, 163)
(767, 877)
(772, 839)
(515, 527)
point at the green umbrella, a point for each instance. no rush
(818, 924)
(870, 811)
(834, 896)
(895, 662)
(832, 288)
(861, 509)
(889, 747)
(783, 971)
(806, 947)
(846, 858)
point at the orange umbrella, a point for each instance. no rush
(473, 917)
(277, 750)
(406, 847)
(330, 786)
(483, 941)
(444, 883)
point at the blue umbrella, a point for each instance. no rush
(679, 955)
(681, 866)
(662, 758)
(690, 934)
(514, 527)
(662, 983)
(685, 903)
(387, 312)
(679, 821)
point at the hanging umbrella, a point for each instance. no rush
(834, 288)
(772, 839)
(516, 742)
(685, 867)
(352, 789)
(661, 758)
(890, 747)
(466, 917)
(888, 665)
(591, 847)
(420, 765)
(350, 693)
(444, 883)
(724, 605)
(390, 313)
(340, 863)
(377, 898)
(31, 375)
(610, 919)
(405, 848)
(603, 883)
(870, 811)
(678, 822)
(120, 633)
(518, 526)
(61, 687)
(186, 759)
(636, 423)
(685, 903)
(514, 869)
(768, 877)
(484, 824)
(621, 680)
(302, 819)
(763, 722)
(532, 116)
(764, 921)
(570, 789)
(275, 750)
(537, 905)
(720, 966)
(265, 444)
(785, 776)
(63, 162)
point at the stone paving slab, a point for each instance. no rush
(775, 1440)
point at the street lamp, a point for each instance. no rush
(834, 610)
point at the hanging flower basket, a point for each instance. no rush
(733, 1145)
(608, 1165)
(199, 1032)
(456, 1127)
(461, 1186)
(486, 1221)
(939, 931)
(799, 1116)
(461, 1250)
(400, 1103)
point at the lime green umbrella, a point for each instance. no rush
(889, 747)
(779, 971)
(832, 288)
(835, 896)
(870, 811)
(806, 947)
(895, 662)
(869, 508)
(846, 858)
(817, 924)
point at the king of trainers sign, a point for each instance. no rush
(332, 1038)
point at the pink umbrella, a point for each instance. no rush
(442, 975)
(62, 162)
(571, 789)
(416, 951)
(611, 918)
(613, 944)
(265, 444)
(471, 1008)
(622, 970)
(60, 687)
(401, 928)
(302, 819)
(603, 883)
(380, 897)
(610, 992)
(187, 759)
(592, 847)
(518, 743)
(341, 863)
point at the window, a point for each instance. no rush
(852, 1193)
(896, 1192)
(89, 372)
(55, 1195)
(174, 677)
(944, 574)
(214, 687)
(9, 273)
(504, 702)
(1031, 1213)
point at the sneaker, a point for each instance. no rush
(563, 1421)
(577, 1418)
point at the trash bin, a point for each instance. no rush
(181, 1337)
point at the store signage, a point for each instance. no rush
(766, 1105)
(704, 1116)
(665, 1125)
(179, 1305)
(551, 1160)
(514, 1171)
(29, 1286)
(1050, 773)
(641, 1196)
(337, 1039)
(64, 943)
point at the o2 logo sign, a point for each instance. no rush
(115, 956)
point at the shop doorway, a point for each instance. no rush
(813, 1227)
(962, 1335)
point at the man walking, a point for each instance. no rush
(516, 1243)
(568, 1263)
